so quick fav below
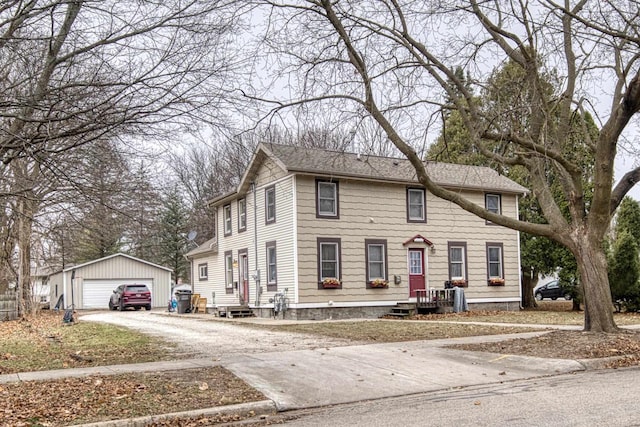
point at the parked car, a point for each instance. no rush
(553, 290)
(132, 295)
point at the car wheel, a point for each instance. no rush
(539, 297)
(148, 307)
(111, 306)
(567, 296)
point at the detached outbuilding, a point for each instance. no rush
(93, 282)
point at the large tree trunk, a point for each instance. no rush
(598, 306)
(25, 225)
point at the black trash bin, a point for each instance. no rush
(183, 296)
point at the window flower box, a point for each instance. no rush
(461, 283)
(331, 283)
(496, 281)
(379, 284)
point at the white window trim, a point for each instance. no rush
(228, 227)
(203, 268)
(422, 205)
(270, 248)
(499, 261)
(269, 190)
(461, 262)
(337, 260)
(335, 198)
(382, 261)
(242, 214)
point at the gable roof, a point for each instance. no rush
(321, 162)
(210, 245)
(75, 267)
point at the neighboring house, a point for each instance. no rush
(300, 216)
(90, 285)
(40, 290)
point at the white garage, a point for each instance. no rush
(90, 285)
(96, 292)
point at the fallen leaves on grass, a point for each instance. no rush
(92, 399)
(43, 342)
(569, 345)
(392, 331)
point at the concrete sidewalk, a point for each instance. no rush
(327, 376)
(311, 378)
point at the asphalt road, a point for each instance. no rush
(591, 398)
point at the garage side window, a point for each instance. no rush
(203, 271)
(228, 271)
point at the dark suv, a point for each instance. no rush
(554, 290)
(132, 295)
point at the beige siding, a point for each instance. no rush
(378, 211)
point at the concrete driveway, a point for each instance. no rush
(301, 371)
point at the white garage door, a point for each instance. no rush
(96, 293)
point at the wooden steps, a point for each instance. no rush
(402, 310)
(239, 311)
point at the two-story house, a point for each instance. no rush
(350, 235)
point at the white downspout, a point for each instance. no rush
(256, 275)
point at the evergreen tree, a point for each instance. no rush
(624, 273)
(628, 218)
(172, 236)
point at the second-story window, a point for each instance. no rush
(416, 209)
(227, 219)
(327, 199)
(270, 205)
(242, 215)
(493, 203)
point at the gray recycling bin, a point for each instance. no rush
(183, 296)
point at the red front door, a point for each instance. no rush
(416, 270)
(244, 278)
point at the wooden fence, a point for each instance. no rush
(8, 306)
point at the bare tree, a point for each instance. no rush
(74, 72)
(390, 57)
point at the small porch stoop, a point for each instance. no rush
(239, 311)
(402, 310)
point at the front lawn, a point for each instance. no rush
(44, 342)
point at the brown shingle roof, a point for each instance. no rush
(333, 163)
